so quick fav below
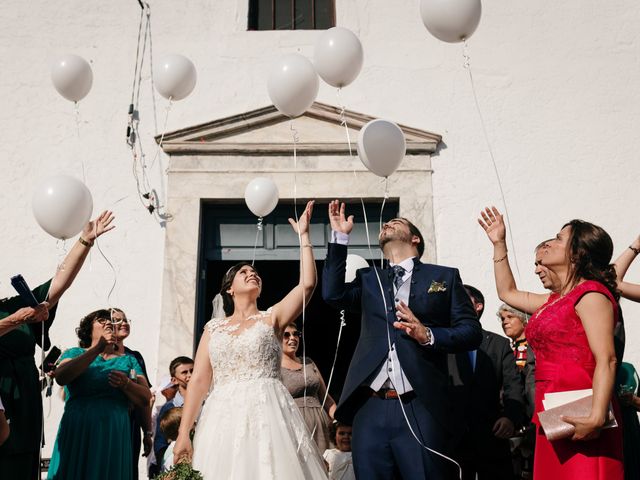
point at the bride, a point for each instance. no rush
(250, 427)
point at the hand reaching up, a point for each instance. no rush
(97, 227)
(302, 225)
(492, 222)
(337, 218)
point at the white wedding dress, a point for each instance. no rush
(250, 427)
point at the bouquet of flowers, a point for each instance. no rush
(181, 471)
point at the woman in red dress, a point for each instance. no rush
(571, 333)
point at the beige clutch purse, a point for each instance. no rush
(556, 429)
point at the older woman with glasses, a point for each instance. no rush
(94, 437)
(307, 387)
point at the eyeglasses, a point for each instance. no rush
(287, 335)
(115, 321)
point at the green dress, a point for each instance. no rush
(20, 391)
(94, 437)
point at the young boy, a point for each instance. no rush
(169, 425)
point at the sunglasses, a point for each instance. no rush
(287, 335)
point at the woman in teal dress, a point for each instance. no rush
(94, 438)
(21, 328)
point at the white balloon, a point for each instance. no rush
(62, 206)
(293, 84)
(451, 20)
(354, 263)
(381, 146)
(338, 56)
(261, 196)
(175, 77)
(72, 77)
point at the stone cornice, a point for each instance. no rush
(217, 137)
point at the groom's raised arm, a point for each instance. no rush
(335, 291)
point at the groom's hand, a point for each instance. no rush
(339, 222)
(413, 327)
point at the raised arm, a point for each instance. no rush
(492, 222)
(196, 392)
(628, 290)
(596, 313)
(71, 368)
(288, 309)
(335, 291)
(71, 265)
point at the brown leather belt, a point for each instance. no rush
(390, 393)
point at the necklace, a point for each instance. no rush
(547, 305)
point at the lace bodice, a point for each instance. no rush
(555, 331)
(243, 352)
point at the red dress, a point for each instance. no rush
(564, 362)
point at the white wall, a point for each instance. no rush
(556, 84)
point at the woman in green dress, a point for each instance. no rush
(94, 438)
(21, 328)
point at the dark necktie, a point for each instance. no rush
(398, 273)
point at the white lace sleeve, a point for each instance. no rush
(212, 324)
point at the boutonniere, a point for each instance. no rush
(437, 287)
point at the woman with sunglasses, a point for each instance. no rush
(307, 387)
(250, 427)
(94, 437)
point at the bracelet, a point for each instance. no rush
(634, 250)
(501, 258)
(85, 243)
(307, 245)
(148, 433)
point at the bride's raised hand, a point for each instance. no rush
(302, 225)
(183, 450)
(492, 222)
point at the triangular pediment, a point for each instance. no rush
(266, 131)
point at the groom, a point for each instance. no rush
(413, 314)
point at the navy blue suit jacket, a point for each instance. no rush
(448, 313)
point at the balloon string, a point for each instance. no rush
(295, 140)
(164, 130)
(255, 244)
(343, 323)
(113, 269)
(76, 111)
(467, 66)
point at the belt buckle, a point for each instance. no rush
(391, 394)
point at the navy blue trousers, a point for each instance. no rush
(384, 448)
